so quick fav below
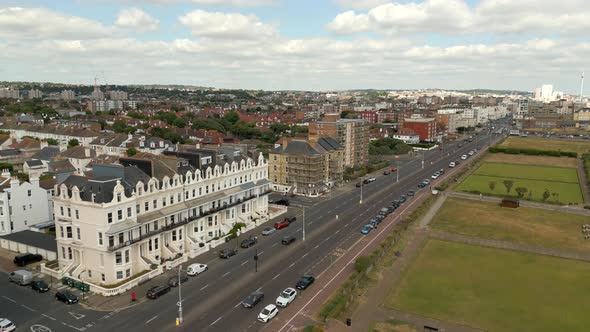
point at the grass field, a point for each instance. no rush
(527, 226)
(547, 144)
(536, 179)
(495, 290)
(530, 160)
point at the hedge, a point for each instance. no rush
(533, 152)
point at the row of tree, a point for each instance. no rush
(522, 191)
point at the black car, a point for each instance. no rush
(282, 201)
(287, 240)
(402, 198)
(290, 219)
(40, 286)
(25, 259)
(173, 282)
(251, 300)
(247, 243)
(359, 184)
(228, 252)
(66, 297)
(157, 291)
(386, 172)
(422, 184)
(305, 282)
(390, 209)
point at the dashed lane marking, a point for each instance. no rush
(9, 299)
(207, 285)
(217, 320)
(31, 309)
(44, 315)
(151, 319)
(244, 263)
(290, 266)
(275, 244)
(276, 276)
(225, 274)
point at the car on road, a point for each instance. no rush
(471, 153)
(157, 291)
(435, 175)
(25, 259)
(372, 179)
(173, 282)
(196, 269)
(39, 286)
(282, 201)
(464, 157)
(287, 296)
(268, 231)
(386, 172)
(281, 224)
(305, 282)
(402, 198)
(287, 240)
(367, 229)
(394, 169)
(411, 193)
(66, 297)
(253, 299)
(460, 145)
(250, 241)
(268, 313)
(290, 219)
(390, 209)
(422, 184)
(359, 184)
(441, 171)
(452, 164)
(6, 325)
(228, 252)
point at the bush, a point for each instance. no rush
(362, 264)
(533, 152)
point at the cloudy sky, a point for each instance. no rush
(298, 44)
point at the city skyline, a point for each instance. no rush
(288, 45)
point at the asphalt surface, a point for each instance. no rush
(211, 301)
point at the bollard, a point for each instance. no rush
(133, 296)
(177, 321)
(348, 322)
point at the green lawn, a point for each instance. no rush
(536, 179)
(547, 144)
(527, 226)
(495, 290)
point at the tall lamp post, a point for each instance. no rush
(361, 200)
(423, 159)
(179, 296)
(303, 213)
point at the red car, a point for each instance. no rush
(281, 224)
(394, 169)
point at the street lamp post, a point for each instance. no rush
(422, 159)
(397, 171)
(179, 296)
(361, 201)
(303, 209)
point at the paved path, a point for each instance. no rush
(433, 210)
(509, 245)
(584, 181)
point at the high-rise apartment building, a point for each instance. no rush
(68, 95)
(351, 134)
(34, 94)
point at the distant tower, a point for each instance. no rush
(582, 87)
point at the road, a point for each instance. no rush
(211, 301)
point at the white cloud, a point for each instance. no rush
(455, 16)
(227, 25)
(39, 23)
(361, 4)
(137, 19)
(234, 3)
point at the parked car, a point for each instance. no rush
(6, 325)
(422, 184)
(386, 172)
(305, 282)
(227, 252)
(157, 291)
(464, 157)
(290, 219)
(281, 224)
(196, 269)
(21, 277)
(66, 297)
(372, 179)
(287, 240)
(282, 201)
(411, 193)
(402, 198)
(173, 282)
(251, 300)
(435, 176)
(268, 313)
(268, 231)
(452, 164)
(250, 241)
(287, 296)
(40, 286)
(367, 229)
(25, 259)
(394, 169)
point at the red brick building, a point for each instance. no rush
(369, 116)
(424, 127)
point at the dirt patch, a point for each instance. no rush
(530, 160)
(393, 327)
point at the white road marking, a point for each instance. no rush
(226, 273)
(260, 253)
(299, 229)
(24, 306)
(336, 232)
(151, 319)
(276, 276)
(292, 264)
(275, 244)
(9, 299)
(217, 320)
(44, 315)
(305, 254)
(237, 305)
(207, 285)
(317, 246)
(244, 263)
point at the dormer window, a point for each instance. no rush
(119, 197)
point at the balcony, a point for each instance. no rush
(184, 221)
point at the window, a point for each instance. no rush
(172, 219)
(118, 259)
(29, 193)
(206, 189)
(186, 193)
(69, 253)
(89, 274)
(194, 192)
(146, 206)
(155, 204)
(200, 191)
(174, 235)
(156, 244)
(129, 212)
(100, 243)
(69, 213)
(119, 274)
(69, 232)
(103, 277)
(78, 232)
(1, 211)
(24, 208)
(63, 252)
(128, 273)
(61, 231)
(118, 197)
(111, 241)
(126, 256)
(164, 201)
(179, 198)
(180, 234)
(121, 238)
(155, 225)
(110, 217)
(171, 199)
(243, 208)
(61, 210)
(119, 214)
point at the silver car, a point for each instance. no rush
(268, 231)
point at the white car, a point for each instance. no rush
(268, 313)
(452, 164)
(195, 269)
(287, 296)
(435, 176)
(464, 157)
(268, 231)
(471, 153)
(6, 325)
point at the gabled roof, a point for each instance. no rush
(61, 166)
(34, 163)
(47, 153)
(78, 152)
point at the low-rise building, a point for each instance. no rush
(424, 127)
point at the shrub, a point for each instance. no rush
(533, 152)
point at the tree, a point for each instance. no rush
(52, 141)
(131, 151)
(492, 185)
(546, 195)
(232, 117)
(73, 142)
(508, 184)
(521, 191)
(555, 196)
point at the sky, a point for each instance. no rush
(298, 44)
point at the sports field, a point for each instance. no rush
(561, 183)
(495, 290)
(556, 144)
(521, 159)
(534, 227)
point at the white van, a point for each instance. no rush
(194, 269)
(21, 277)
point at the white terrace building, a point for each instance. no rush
(123, 221)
